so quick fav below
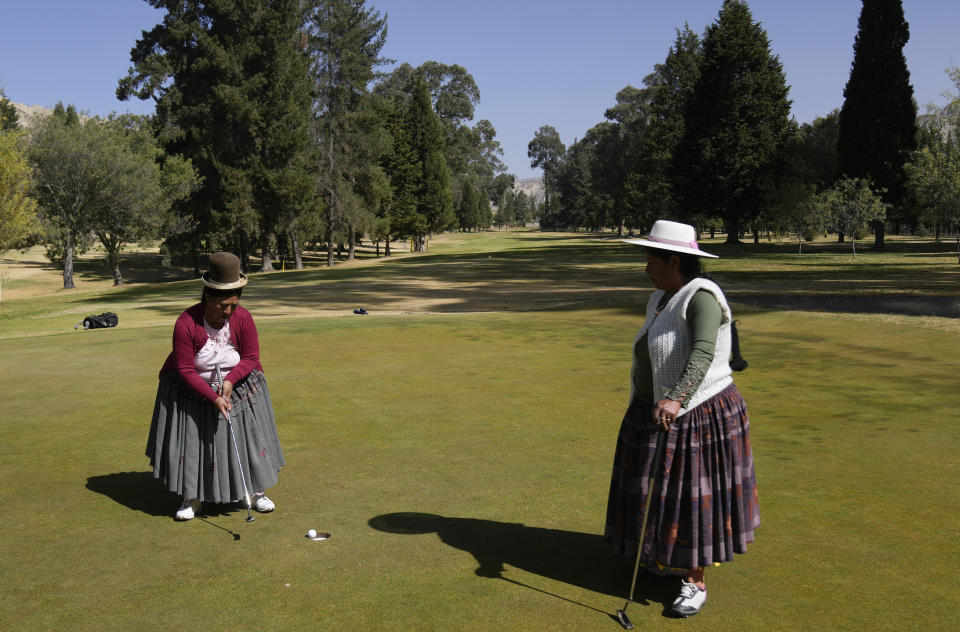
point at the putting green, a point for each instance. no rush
(460, 459)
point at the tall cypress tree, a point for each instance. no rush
(878, 119)
(737, 123)
(434, 197)
(405, 172)
(652, 185)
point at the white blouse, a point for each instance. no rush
(217, 350)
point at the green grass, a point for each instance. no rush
(497, 412)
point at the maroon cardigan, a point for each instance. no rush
(189, 336)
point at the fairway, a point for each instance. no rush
(457, 442)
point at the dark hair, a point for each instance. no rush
(691, 269)
(689, 264)
(209, 292)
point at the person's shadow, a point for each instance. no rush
(140, 491)
(578, 559)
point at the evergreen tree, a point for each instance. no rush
(617, 149)
(404, 170)
(434, 197)
(468, 213)
(9, 117)
(546, 152)
(878, 119)
(231, 85)
(346, 40)
(737, 123)
(653, 187)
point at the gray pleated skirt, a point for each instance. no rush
(190, 447)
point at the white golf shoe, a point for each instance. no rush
(691, 598)
(263, 504)
(189, 509)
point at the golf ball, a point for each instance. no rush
(311, 533)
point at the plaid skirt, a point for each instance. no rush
(704, 508)
(190, 447)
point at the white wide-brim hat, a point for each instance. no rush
(673, 236)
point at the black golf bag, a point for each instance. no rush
(106, 319)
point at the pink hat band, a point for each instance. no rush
(674, 242)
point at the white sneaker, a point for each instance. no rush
(263, 504)
(188, 509)
(691, 598)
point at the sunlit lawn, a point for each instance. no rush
(482, 397)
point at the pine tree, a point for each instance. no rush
(232, 95)
(434, 197)
(346, 39)
(404, 170)
(468, 214)
(878, 118)
(653, 187)
(737, 123)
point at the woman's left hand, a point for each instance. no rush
(666, 412)
(226, 390)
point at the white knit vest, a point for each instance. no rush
(669, 343)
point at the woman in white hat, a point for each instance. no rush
(189, 445)
(704, 504)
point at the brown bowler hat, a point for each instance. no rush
(224, 272)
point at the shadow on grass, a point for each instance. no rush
(578, 559)
(140, 491)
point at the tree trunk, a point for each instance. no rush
(352, 251)
(733, 230)
(840, 237)
(386, 246)
(297, 252)
(195, 255)
(879, 232)
(266, 264)
(243, 248)
(329, 238)
(68, 262)
(113, 248)
(377, 244)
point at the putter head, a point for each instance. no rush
(624, 620)
(250, 518)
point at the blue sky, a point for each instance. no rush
(536, 62)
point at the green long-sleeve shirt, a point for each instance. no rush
(704, 317)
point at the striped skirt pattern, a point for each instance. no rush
(190, 447)
(704, 508)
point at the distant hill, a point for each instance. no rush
(28, 112)
(532, 187)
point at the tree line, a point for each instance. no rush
(275, 128)
(709, 140)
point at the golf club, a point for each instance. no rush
(655, 467)
(243, 479)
